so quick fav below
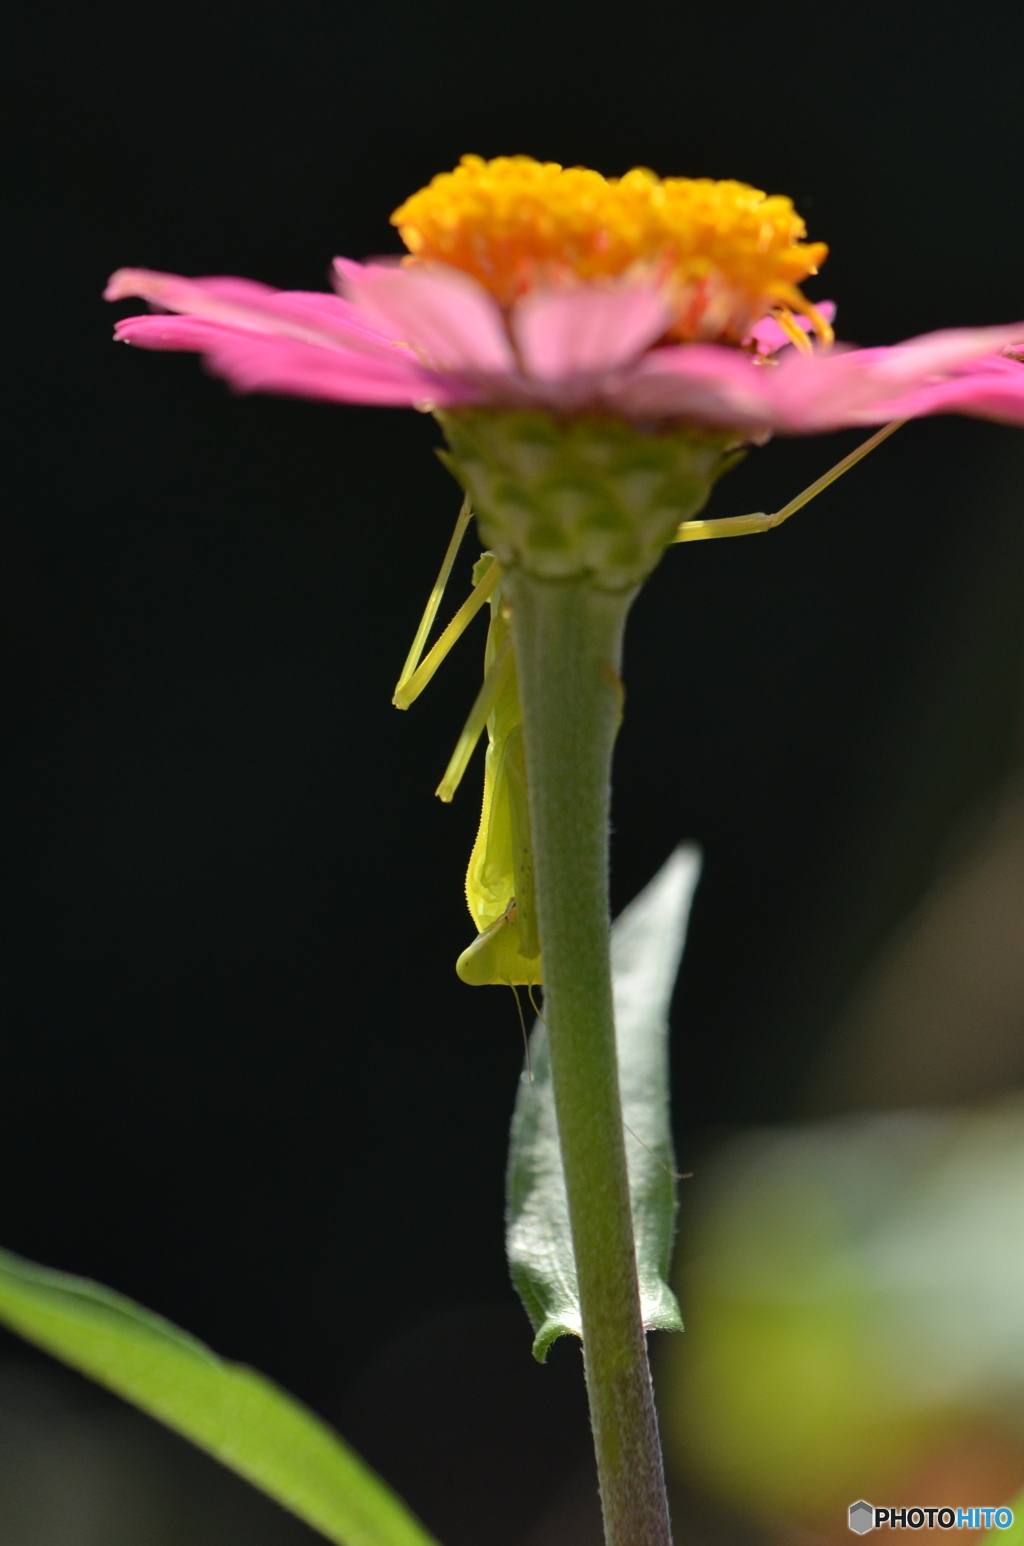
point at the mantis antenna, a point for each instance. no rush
(742, 525)
(526, 1039)
(677, 1175)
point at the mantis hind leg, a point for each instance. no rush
(744, 525)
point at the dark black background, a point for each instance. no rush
(240, 1080)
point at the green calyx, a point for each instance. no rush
(583, 496)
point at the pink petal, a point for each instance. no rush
(242, 303)
(932, 353)
(954, 371)
(178, 294)
(860, 385)
(437, 310)
(267, 362)
(304, 370)
(164, 331)
(993, 389)
(769, 337)
(587, 329)
(708, 383)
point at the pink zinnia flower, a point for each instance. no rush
(534, 287)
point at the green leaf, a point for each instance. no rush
(646, 947)
(235, 1414)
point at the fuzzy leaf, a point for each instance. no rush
(647, 945)
(235, 1414)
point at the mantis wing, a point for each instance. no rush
(499, 880)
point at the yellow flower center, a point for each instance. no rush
(727, 253)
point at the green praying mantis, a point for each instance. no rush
(499, 880)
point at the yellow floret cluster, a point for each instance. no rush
(728, 253)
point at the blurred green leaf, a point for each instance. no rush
(235, 1414)
(1014, 1536)
(647, 945)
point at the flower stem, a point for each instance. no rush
(568, 636)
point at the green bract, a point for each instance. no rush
(581, 496)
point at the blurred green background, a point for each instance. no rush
(239, 1079)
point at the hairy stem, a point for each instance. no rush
(568, 636)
